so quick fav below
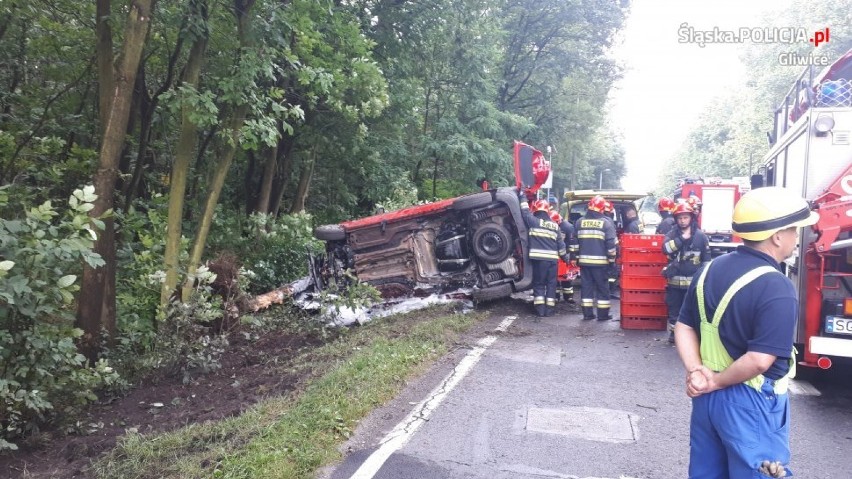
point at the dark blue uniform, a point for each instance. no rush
(546, 246)
(761, 317)
(565, 287)
(685, 258)
(666, 224)
(735, 428)
(595, 249)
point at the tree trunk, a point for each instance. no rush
(96, 306)
(217, 181)
(285, 159)
(226, 157)
(180, 168)
(302, 190)
(269, 172)
(105, 60)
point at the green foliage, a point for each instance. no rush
(139, 277)
(273, 251)
(41, 374)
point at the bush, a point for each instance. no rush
(41, 374)
(273, 251)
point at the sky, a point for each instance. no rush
(666, 83)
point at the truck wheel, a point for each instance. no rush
(491, 293)
(329, 233)
(492, 243)
(475, 200)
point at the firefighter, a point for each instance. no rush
(695, 202)
(545, 249)
(687, 248)
(595, 247)
(613, 273)
(665, 206)
(565, 287)
(735, 338)
(631, 221)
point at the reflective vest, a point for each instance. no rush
(713, 352)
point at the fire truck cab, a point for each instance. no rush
(811, 153)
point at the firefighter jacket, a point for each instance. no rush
(545, 238)
(596, 242)
(568, 234)
(666, 224)
(685, 256)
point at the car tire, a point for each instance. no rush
(475, 200)
(492, 243)
(491, 293)
(329, 233)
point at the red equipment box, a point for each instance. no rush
(657, 324)
(644, 310)
(642, 269)
(644, 297)
(629, 255)
(644, 283)
(643, 242)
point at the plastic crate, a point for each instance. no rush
(638, 241)
(644, 310)
(644, 297)
(656, 324)
(632, 255)
(642, 269)
(644, 283)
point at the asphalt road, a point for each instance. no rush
(566, 398)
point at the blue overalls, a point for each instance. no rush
(733, 430)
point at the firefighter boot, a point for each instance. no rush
(588, 313)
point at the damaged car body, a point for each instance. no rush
(476, 242)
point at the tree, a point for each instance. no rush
(96, 308)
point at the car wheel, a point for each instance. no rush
(492, 293)
(329, 233)
(492, 243)
(472, 201)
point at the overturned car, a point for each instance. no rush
(476, 242)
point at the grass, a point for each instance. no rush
(292, 437)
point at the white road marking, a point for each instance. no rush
(803, 388)
(403, 431)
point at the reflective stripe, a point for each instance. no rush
(551, 302)
(669, 247)
(590, 234)
(543, 233)
(593, 262)
(603, 303)
(587, 302)
(713, 352)
(543, 254)
(538, 300)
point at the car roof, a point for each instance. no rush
(608, 194)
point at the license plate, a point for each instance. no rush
(838, 325)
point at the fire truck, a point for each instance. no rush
(811, 153)
(718, 197)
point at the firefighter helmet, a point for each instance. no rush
(694, 202)
(683, 208)
(762, 212)
(539, 205)
(665, 204)
(608, 208)
(555, 216)
(597, 203)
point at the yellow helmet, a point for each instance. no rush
(763, 211)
